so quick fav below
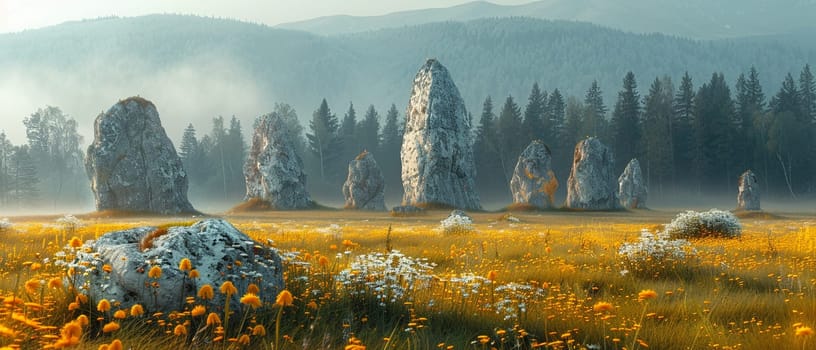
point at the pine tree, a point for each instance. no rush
(557, 117)
(389, 157)
(348, 134)
(237, 150)
(574, 112)
(715, 111)
(750, 102)
(657, 159)
(594, 119)
(323, 138)
(368, 131)
(790, 133)
(189, 144)
(625, 124)
(683, 135)
(486, 153)
(510, 144)
(534, 125)
(807, 93)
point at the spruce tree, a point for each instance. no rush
(323, 138)
(594, 120)
(510, 144)
(656, 160)
(348, 134)
(389, 157)
(715, 111)
(489, 178)
(534, 125)
(368, 131)
(807, 93)
(683, 135)
(625, 123)
(6, 152)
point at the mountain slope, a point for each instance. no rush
(699, 19)
(196, 68)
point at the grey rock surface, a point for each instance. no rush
(364, 185)
(437, 155)
(273, 170)
(213, 247)
(591, 183)
(632, 190)
(533, 180)
(748, 196)
(133, 165)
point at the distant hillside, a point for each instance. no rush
(197, 68)
(699, 19)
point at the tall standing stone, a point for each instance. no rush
(273, 170)
(133, 165)
(748, 197)
(533, 182)
(437, 154)
(632, 189)
(364, 185)
(591, 183)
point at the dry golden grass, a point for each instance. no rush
(755, 292)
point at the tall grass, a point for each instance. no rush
(548, 273)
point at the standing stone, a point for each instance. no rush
(273, 171)
(533, 182)
(437, 154)
(748, 197)
(591, 183)
(133, 165)
(632, 189)
(215, 248)
(364, 185)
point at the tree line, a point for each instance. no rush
(686, 138)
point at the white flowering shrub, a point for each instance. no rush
(69, 223)
(712, 223)
(655, 254)
(5, 225)
(388, 277)
(334, 231)
(456, 224)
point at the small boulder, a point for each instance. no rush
(748, 196)
(438, 169)
(533, 182)
(364, 185)
(215, 248)
(632, 190)
(273, 170)
(591, 184)
(133, 165)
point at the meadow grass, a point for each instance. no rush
(542, 283)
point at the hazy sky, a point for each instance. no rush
(16, 15)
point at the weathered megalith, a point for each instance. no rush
(632, 190)
(215, 248)
(437, 154)
(133, 165)
(748, 197)
(533, 182)
(364, 185)
(591, 183)
(273, 170)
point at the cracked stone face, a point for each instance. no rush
(591, 184)
(364, 185)
(133, 165)
(748, 196)
(215, 248)
(437, 154)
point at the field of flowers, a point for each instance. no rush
(366, 280)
